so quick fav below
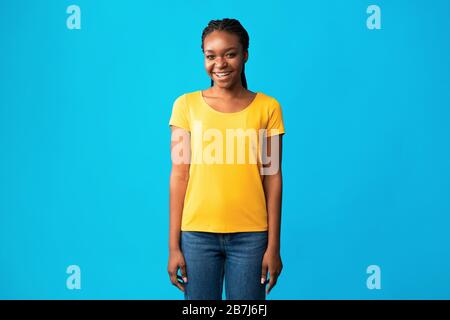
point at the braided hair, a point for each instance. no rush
(232, 26)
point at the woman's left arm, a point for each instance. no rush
(273, 186)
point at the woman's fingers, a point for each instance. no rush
(183, 272)
(176, 261)
(263, 273)
(174, 279)
(272, 280)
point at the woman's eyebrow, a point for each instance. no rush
(224, 50)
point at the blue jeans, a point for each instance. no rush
(211, 257)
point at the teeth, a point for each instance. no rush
(222, 74)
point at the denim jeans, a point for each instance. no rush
(212, 257)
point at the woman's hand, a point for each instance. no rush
(176, 260)
(272, 263)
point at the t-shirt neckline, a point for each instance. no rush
(227, 113)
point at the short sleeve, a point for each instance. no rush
(179, 117)
(275, 124)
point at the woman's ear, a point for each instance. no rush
(245, 56)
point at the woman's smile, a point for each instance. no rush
(222, 75)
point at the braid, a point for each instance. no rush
(232, 26)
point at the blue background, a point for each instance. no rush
(85, 142)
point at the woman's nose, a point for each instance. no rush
(221, 62)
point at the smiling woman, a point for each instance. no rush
(225, 47)
(225, 212)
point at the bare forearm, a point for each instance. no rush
(178, 186)
(273, 190)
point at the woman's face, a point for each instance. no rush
(224, 58)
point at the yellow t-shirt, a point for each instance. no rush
(225, 191)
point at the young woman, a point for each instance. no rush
(225, 208)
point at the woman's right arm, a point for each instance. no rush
(179, 178)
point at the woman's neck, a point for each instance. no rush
(228, 93)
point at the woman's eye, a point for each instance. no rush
(212, 57)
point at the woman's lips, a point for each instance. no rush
(222, 75)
